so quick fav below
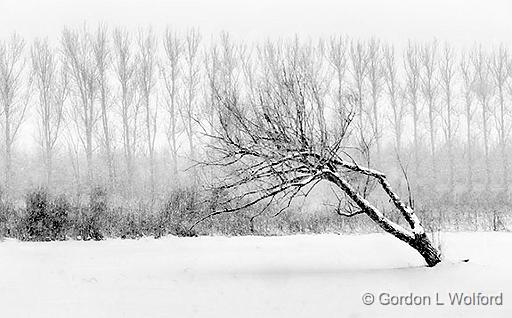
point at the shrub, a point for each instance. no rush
(91, 218)
(11, 224)
(45, 219)
(59, 217)
(178, 212)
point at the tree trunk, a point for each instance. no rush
(423, 245)
(8, 149)
(151, 153)
(416, 119)
(360, 115)
(190, 135)
(8, 169)
(88, 154)
(174, 152)
(108, 146)
(398, 127)
(451, 164)
(376, 127)
(48, 168)
(502, 133)
(486, 146)
(417, 239)
(469, 172)
(127, 147)
(432, 140)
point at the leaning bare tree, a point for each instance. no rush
(277, 150)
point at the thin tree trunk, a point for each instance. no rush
(361, 111)
(48, 168)
(486, 145)
(125, 70)
(102, 57)
(504, 158)
(191, 138)
(8, 151)
(8, 169)
(398, 126)
(174, 150)
(451, 184)
(88, 154)
(416, 141)
(8, 159)
(192, 78)
(432, 141)
(106, 133)
(150, 149)
(126, 139)
(376, 123)
(470, 148)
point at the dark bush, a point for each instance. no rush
(59, 217)
(45, 219)
(91, 218)
(131, 227)
(37, 215)
(180, 210)
(11, 223)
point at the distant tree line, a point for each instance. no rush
(133, 112)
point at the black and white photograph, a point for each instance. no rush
(259, 158)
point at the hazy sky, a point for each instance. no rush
(462, 22)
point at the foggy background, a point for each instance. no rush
(461, 22)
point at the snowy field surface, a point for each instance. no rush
(294, 276)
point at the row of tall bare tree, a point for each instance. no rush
(114, 102)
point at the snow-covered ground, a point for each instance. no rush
(294, 276)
